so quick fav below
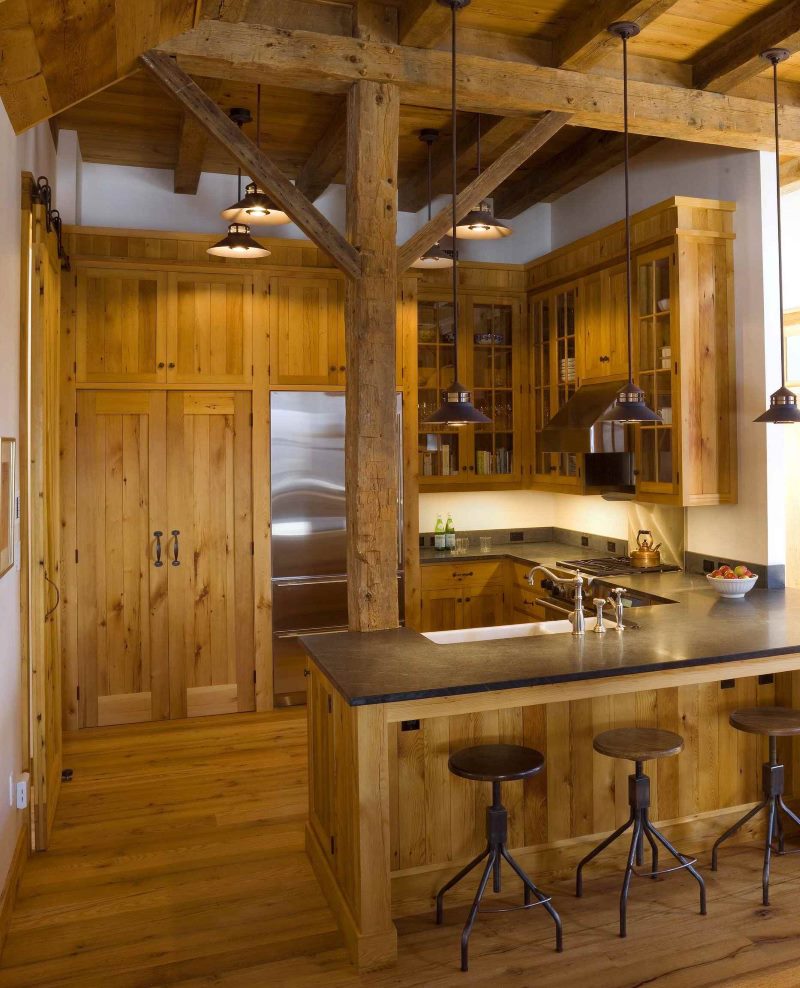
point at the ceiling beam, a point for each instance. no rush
(254, 162)
(590, 156)
(325, 161)
(483, 186)
(303, 59)
(587, 41)
(422, 22)
(192, 144)
(737, 57)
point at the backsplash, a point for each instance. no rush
(545, 533)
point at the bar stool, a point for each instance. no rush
(640, 744)
(775, 722)
(495, 763)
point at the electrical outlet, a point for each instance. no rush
(584, 540)
(11, 789)
(22, 791)
(708, 566)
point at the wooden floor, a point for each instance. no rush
(177, 859)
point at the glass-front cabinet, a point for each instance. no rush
(554, 377)
(488, 347)
(656, 359)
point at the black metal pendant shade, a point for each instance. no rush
(481, 224)
(783, 408)
(256, 209)
(434, 257)
(456, 408)
(238, 243)
(630, 407)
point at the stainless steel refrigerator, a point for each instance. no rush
(309, 541)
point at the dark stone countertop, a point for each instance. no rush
(699, 628)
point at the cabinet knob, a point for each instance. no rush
(171, 365)
(343, 368)
(332, 369)
(161, 365)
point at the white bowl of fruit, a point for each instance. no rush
(731, 581)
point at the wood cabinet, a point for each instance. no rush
(164, 555)
(683, 347)
(306, 329)
(490, 349)
(121, 326)
(464, 595)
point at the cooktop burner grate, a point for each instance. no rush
(614, 566)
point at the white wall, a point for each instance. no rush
(33, 152)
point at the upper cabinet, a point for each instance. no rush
(121, 320)
(306, 332)
(683, 347)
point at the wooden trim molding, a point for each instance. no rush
(8, 895)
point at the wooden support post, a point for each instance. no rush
(371, 441)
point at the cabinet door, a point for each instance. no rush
(603, 321)
(615, 305)
(306, 332)
(121, 333)
(440, 448)
(442, 610)
(122, 589)
(210, 532)
(484, 609)
(210, 328)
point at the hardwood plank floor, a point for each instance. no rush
(177, 859)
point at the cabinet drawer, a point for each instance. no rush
(439, 576)
(525, 602)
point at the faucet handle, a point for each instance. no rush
(599, 603)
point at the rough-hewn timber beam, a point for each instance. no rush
(325, 161)
(582, 161)
(254, 162)
(302, 59)
(587, 40)
(371, 441)
(790, 175)
(422, 22)
(736, 57)
(483, 186)
(192, 144)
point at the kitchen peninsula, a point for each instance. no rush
(388, 823)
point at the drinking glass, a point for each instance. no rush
(462, 545)
(486, 543)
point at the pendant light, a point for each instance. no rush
(630, 406)
(436, 256)
(456, 408)
(238, 243)
(256, 208)
(480, 223)
(783, 408)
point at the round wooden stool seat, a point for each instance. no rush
(496, 762)
(638, 744)
(777, 721)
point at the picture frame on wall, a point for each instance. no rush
(7, 494)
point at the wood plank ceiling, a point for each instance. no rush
(76, 61)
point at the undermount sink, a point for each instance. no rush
(534, 630)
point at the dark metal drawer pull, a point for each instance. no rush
(176, 547)
(158, 563)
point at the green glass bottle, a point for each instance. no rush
(449, 533)
(439, 538)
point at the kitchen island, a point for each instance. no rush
(388, 822)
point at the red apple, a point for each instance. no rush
(730, 575)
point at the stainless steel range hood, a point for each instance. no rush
(578, 426)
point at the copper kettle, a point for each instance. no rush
(646, 554)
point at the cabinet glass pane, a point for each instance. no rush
(542, 377)
(491, 342)
(438, 446)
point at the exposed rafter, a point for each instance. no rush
(254, 162)
(422, 22)
(325, 162)
(737, 57)
(588, 39)
(192, 144)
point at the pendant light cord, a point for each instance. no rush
(628, 262)
(778, 197)
(455, 194)
(479, 145)
(430, 181)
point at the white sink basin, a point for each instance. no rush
(533, 630)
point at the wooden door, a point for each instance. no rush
(210, 328)
(306, 332)
(122, 589)
(120, 326)
(484, 609)
(442, 610)
(210, 531)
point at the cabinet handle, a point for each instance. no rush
(468, 600)
(158, 563)
(332, 368)
(171, 365)
(463, 574)
(176, 548)
(472, 468)
(161, 365)
(343, 368)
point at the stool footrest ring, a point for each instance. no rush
(513, 909)
(664, 871)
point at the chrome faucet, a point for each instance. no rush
(619, 607)
(578, 619)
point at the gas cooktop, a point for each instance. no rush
(614, 566)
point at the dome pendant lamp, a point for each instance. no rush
(238, 243)
(436, 256)
(456, 408)
(783, 408)
(480, 223)
(256, 208)
(630, 406)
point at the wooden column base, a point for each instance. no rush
(368, 951)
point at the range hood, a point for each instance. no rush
(578, 426)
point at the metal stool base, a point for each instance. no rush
(772, 778)
(639, 820)
(494, 854)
